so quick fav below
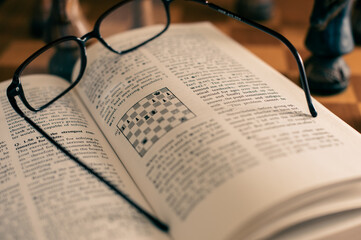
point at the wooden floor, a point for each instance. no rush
(290, 18)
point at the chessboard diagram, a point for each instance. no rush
(151, 118)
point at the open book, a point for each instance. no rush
(198, 131)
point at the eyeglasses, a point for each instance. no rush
(61, 55)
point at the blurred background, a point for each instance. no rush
(20, 36)
(17, 38)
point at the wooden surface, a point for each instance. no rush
(290, 18)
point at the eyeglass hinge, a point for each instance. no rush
(13, 91)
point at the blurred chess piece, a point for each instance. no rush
(40, 14)
(258, 10)
(329, 38)
(142, 13)
(53, 19)
(356, 22)
(65, 18)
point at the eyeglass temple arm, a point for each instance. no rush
(274, 34)
(162, 226)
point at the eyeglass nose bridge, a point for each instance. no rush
(96, 34)
(90, 35)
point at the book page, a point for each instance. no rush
(43, 194)
(211, 134)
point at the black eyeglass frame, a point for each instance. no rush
(81, 42)
(15, 88)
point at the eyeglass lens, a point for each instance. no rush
(60, 57)
(132, 15)
(57, 60)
